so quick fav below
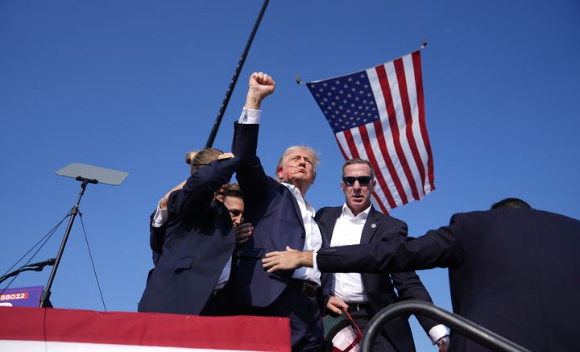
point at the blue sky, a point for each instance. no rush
(134, 85)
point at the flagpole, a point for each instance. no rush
(232, 85)
(301, 83)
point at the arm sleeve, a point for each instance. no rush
(194, 198)
(438, 248)
(159, 217)
(250, 117)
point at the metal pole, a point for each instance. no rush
(457, 323)
(232, 85)
(45, 296)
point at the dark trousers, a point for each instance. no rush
(213, 308)
(362, 318)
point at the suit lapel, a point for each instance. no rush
(328, 224)
(296, 207)
(371, 227)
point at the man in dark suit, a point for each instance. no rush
(281, 217)
(513, 270)
(365, 294)
(198, 243)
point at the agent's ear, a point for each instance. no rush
(342, 186)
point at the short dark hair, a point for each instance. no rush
(511, 203)
(234, 191)
(359, 161)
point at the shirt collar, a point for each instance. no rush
(292, 188)
(297, 194)
(363, 215)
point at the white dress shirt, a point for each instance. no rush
(347, 231)
(313, 236)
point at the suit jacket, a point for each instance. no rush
(277, 221)
(199, 240)
(514, 271)
(378, 287)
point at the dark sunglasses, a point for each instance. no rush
(362, 180)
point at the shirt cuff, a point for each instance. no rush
(250, 117)
(437, 332)
(314, 264)
(160, 217)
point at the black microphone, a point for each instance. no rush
(41, 265)
(32, 267)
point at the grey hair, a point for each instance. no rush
(313, 157)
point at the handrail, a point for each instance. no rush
(457, 323)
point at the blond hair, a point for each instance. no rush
(203, 158)
(189, 157)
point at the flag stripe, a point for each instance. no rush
(339, 140)
(412, 186)
(373, 160)
(380, 168)
(388, 148)
(401, 79)
(351, 144)
(389, 164)
(422, 124)
(394, 127)
(380, 202)
(415, 128)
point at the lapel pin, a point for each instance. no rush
(373, 225)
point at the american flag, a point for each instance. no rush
(378, 114)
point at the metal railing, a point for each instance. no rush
(457, 323)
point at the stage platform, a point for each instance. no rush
(59, 330)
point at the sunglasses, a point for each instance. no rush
(362, 180)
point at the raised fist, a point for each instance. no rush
(260, 86)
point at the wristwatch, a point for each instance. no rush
(442, 340)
